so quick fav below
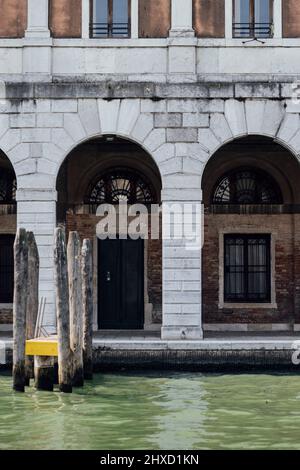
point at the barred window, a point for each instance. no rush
(247, 268)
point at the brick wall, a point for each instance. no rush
(286, 262)
(291, 18)
(65, 18)
(154, 18)
(13, 18)
(209, 18)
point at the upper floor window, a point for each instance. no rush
(252, 18)
(110, 18)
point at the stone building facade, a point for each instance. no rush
(194, 100)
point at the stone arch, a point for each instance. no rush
(120, 118)
(242, 118)
(283, 171)
(278, 223)
(79, 171)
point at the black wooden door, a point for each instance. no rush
(121, 284)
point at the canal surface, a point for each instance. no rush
(156, 411)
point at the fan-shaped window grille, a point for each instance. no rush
(247, 186)
(119, 185)
(8, 187)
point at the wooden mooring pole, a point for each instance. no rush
(32, 299)
(75, 293)
(19, 309)
(87, 305)
(62, 312)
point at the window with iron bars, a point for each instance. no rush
(110, 19)
(247, 268)
(253, 18)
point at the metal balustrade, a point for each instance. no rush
(252, 30)
(110, 30)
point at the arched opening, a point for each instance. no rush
(127, 271)
(251, 248)
(8, 222)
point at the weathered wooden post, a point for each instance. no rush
(75, 294)
(87, 305)
(32, 299)
(62, 312)
(19, 309)
(44, 373)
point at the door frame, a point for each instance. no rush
(148, 307)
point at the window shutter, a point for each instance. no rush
(291, 18)
(209, 18)
(13, 18)
(154, 18)
(65, 18)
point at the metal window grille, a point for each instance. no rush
(247, 268)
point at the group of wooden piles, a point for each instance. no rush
(74, 309)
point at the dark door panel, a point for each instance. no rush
(121, 284)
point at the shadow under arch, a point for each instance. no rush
(230, 302)
(265, 153)
(94, 164)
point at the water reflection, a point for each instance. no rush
(156, 411)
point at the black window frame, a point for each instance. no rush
(246, 298)
(106, 30)
(7, 272)
(253, 29)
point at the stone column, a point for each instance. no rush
(38, 19)
(85, 25)
(182, 302)
(228, 18)
(277, 18)
(37, 42)
(182, 19)
(37, 213)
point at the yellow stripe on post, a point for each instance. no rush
(42, 347)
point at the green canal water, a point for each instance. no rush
(156, 411)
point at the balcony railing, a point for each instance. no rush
(252, 30)
(109, 30)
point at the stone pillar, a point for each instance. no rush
(85, 26)
(37, 213)
(228, 19)
(38, 19)
(37, 42)
(182, 43)
(277, 18)
(182, 19)
(134, 19)
(182, 302)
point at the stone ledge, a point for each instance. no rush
(117, 89)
